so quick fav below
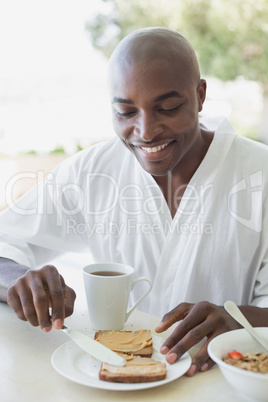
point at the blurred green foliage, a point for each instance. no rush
(58, 150)
(230, 36)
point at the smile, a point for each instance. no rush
(154, 149)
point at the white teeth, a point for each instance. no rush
(154, 149)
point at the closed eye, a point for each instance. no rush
(170, 110)
(128, 114)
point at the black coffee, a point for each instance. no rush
(107, 273)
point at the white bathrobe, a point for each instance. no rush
(102, 201)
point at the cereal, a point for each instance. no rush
(257, 363)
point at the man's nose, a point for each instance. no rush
(147, 126)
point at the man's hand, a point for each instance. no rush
(197, 321)
(36, 291)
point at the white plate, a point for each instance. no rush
(78, 366)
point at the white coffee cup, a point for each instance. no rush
(108, 287)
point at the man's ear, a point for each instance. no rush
(201, 93)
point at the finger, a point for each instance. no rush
(13, 301)
(41, 302)
(70, 297)
(191, 338)
(56, 289)
(21, 300)
(201, 361)
(28, 299)
(173, 316)
(207, 365)
(29, 312)
(191, 322)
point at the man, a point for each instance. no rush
(182, 201)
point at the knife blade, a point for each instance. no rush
(94, 348)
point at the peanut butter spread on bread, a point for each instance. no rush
(137, 364)
(125, 341)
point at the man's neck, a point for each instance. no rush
(174, 184)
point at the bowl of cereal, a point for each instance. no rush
(242, 361)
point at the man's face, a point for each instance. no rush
(155, 109)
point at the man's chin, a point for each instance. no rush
(154, 168)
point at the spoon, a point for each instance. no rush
(236, 313)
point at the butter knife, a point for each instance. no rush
(94, 348)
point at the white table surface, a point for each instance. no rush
(26, 373)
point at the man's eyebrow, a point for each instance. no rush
(171, 94)
(122, 100)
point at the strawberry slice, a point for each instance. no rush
(235, 355)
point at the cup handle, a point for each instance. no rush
(142, 297)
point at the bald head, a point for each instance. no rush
(156, 45)
(156, 96)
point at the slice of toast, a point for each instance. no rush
(137, 343)
(138, 369)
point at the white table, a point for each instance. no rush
(26, 373)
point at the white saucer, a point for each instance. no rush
(78, 366)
